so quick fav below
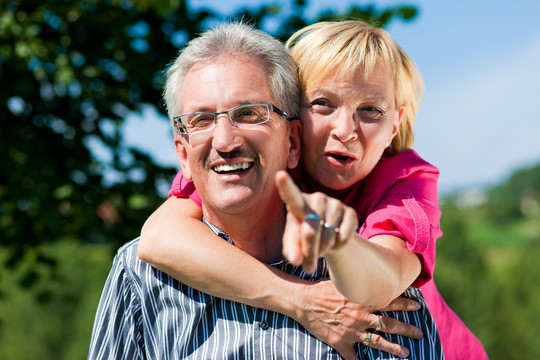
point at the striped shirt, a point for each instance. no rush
(146, 314)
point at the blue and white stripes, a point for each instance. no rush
(145, 314)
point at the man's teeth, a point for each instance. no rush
(231, 167)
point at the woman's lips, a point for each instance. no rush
(339, 159)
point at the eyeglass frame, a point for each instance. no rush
(271, 108)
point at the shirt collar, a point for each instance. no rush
(224, 235)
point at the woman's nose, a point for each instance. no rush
(344, 127)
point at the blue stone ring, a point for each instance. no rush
(331, 227)
(313, 216)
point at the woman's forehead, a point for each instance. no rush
(378, 74)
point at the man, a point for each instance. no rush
(236, 91)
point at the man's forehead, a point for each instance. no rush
(225, 82)
(227, 59)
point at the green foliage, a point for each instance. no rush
(518, 197)
(487, 267)
(53, 318)
(75, 71)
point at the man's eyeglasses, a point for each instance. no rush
(240, 116)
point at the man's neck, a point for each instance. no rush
(258, 232)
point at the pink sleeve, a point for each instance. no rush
(409, 211)
(184, 188)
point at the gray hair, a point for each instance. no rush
(237, 39)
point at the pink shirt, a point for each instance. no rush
(399, 197)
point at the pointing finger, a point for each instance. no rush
(291, 195)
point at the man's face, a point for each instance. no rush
(232, 167)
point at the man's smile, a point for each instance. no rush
(232, 168)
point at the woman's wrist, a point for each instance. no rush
(286, 294)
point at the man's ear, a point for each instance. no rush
(295, 138)
(180, 143)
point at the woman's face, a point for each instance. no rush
(347, 125)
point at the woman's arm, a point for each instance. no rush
(383, 264)
(369, 272)
(175, 241)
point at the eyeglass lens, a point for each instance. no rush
(252, 114)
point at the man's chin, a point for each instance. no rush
(232, 199)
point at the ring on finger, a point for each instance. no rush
(367, 340)
(331, 227)
(378, 323)
(313, 216)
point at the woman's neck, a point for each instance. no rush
(313, 185)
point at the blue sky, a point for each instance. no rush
(479, 119)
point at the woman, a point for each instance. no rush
(360, 98)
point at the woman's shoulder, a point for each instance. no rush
(400, 166)
(405, 162)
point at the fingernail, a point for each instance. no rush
(418, 334)
(405, 353)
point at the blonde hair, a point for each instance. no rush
(342, 48)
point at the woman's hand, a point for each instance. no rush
(340, 323)
(316, 224)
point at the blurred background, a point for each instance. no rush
(86, 151)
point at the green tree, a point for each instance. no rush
(486, 264)
(518, 197)
(71, 72)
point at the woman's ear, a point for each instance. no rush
(395, 127)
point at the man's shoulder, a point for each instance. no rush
(129, 247)
(127, 257)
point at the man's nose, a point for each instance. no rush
(226, 137)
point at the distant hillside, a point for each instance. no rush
(518, 197)
(487, 263)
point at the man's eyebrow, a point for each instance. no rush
(247, 102)
(207, 108)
